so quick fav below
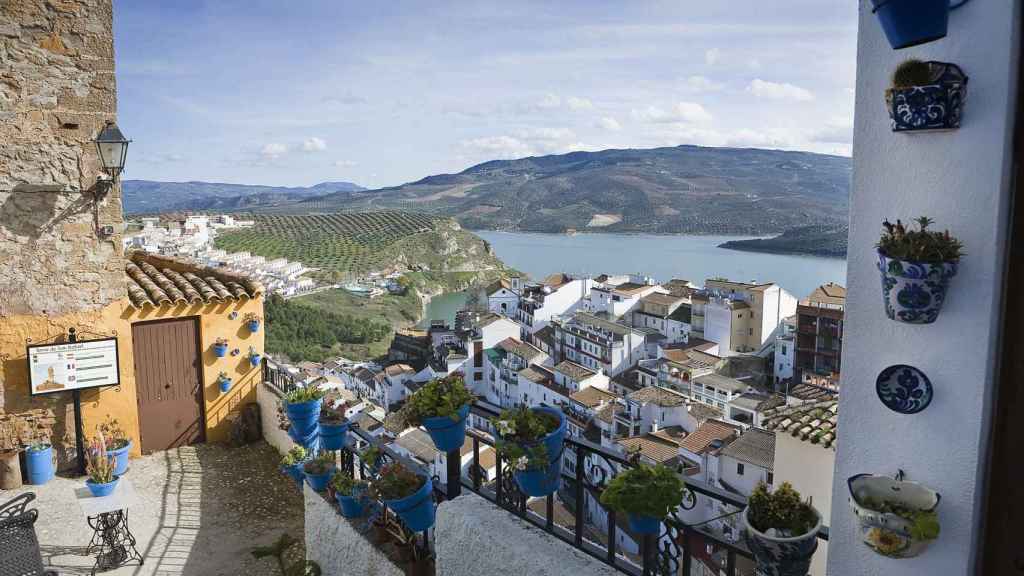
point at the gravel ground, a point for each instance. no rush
(201, 511)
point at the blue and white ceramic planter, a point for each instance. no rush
(220, 350)
(935, 106)
(781, 556)
(913, 292)
(225, 385)
(254, 360)
(884, 532)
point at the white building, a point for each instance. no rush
(785, 352)
(557, 295)
(503, 296)
(598, 343)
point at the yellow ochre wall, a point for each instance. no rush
(121, 403)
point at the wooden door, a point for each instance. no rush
(168, 383)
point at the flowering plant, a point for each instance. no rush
(333, 414)
(396, 481)
(346, 485)
(521, 430)
(294, 456)
(439, 397)
(921, 245)
(322, 464)
(116, 437)
(98, 465)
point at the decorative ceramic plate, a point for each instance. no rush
(904, 389)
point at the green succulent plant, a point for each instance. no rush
(912, 73)
(441, 397)
(782, 510)
(304, 394)
(322, 464)
(345, 484)
(396, 481)
(646, 490)
(294, 456)
(921, 245)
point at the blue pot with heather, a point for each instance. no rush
(333, 427)
(253, 324)
(100, 489)
(531, 441)
(780, 530)
(909, 23)
(319, 470)
(302, 406)
(220, 348)
(291, 464)
(916, 267)
(350, 494)
(441, 406)
(39, 463)
(406, 493)
(646, 495)
(255, 359)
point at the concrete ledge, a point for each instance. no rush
(337, 544)
(474, 537)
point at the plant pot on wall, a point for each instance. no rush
(913, 292)
(896, 518)
(220, 349)
(933, 102)
(909, 23)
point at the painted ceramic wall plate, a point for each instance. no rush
(904, 389)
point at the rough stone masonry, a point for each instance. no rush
(57, 89)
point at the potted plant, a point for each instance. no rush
(224, 382)
(406, 493)
(318, 471)
(291, 463)
(252, 321)
(910, 23)
(254, 357)
(530, 440)
(926, 96)
(373, 458)
(302, 406)
(118, 444)
(350, 494)
(916, 267)
(39, 462)
(896, 518)
(780, 529)
(100, 468)
(441, 406)
(646, 494)
(220, 347)
(333, 426)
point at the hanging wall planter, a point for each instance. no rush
(916, 267)
(896, 518)
(224, 382)
(532, 441)
(220, 347)
(252, 321)
(926, 96)
(254, 357)
(909, 23)
(441, 406)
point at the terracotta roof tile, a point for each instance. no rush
(814, 422)
(657, 395)
(755, 446)
(574, 370)
(702, 437)
(155, 280)
(591, 397)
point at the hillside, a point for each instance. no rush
(685, 189)
(814, 240)
(146, 196)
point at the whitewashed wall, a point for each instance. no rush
(961, 179)
(268, 401)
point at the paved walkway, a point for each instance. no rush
(203, 508)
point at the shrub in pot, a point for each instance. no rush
(252, 321)
(302, 406)
(318, 471)
(373, 458)
(333, 427)
(441, 406)
(407, 494)
(926, 96)
(896, 518)
(118, 444)
(531, 441)
(916, 267)
(99, 467)
(224, 382)
(291, 463)
(220, 347)
(646, 494)
(350, 494)
(781, 530)
(254, 357)
(39, 463)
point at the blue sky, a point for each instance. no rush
(379, 93)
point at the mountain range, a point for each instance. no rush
(147, 196)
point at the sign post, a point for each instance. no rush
(76, 396)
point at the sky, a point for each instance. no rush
(296, 92)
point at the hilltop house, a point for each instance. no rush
(556, 295)
(741, 317)
(598, 343)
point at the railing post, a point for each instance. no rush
(454, 463)
(475, 473)
(580, 503)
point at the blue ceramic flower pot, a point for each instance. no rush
(913, 292)
(333, 436)
(544, 481)
(254, 326)
(221, 350)
(351, 507)
(254, 360)
(417, 510)
(294, 471)
(318, 482)
(908, 23)
(643, 524)
(304, 415)
(308, 440)
(39, 464)
(225, 385)
(446, 433)
(105, 489)
(120, 458)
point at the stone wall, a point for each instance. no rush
(340, 545)
(57, 89)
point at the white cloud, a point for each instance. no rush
(754, 64)
(549, 101)
(609, 123)
(711, 56)
(498, 147)
(345, 163)
(836, 130)
(545, 133)
(314, 144)
(698, 84)
(686, 112)
(779, 91)
(575, 103)
(273, 150)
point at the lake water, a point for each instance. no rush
(694, 258)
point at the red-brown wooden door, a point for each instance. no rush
(168, 381)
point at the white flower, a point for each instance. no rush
(522, 462)
(506, 427)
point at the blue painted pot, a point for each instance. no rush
(39, 465)
(295, 472)
(254, 360)
(309, 441)
(350, 506)
(781, 556)
(225, 385)
(643, 524)
(221, 350)
(544, 481)
(446, 433)
(254, 326)
(120, 458)
(908, 23)
(105, 489)
(304, 416)
(417, 510)
(333, 436)
(318, 482)
(913, 292)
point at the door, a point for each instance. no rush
(168, 383)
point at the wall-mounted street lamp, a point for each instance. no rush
(113, 148)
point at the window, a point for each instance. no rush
(739, 468)
(771, 478)
(783, 350)
(751, 333)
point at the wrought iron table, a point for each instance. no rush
(112, 541)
